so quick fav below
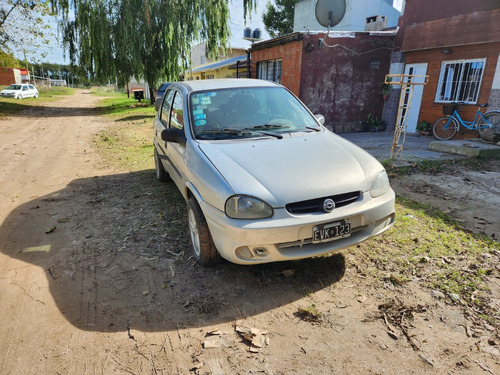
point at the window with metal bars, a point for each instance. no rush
(459, 81)
(269, 70)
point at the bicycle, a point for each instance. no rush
(446, 127)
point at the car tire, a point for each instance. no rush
(35, 96)
(161, 173)
(204, 251)
(19, 96)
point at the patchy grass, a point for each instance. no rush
(119, 107)
(52, 93)
(439, 166)
(428, 246)
(11, 106)
(127, 144)
(310, 314)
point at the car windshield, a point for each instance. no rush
(14, 87)
(248, 112)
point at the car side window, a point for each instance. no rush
(31, 87)
(25, 88)
(177, 118)
(165, 108)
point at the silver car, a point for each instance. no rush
(264, 181)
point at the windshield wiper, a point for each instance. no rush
(267, 126)
(229, 131)
(225, 131)
(311, 128)
(279, 136)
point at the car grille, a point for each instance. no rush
(316, 205)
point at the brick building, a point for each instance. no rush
(8, 76)
(338, 75)
(456, 43)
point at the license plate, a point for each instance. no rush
(331, 231)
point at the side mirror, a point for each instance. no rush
(174, 135)
(320, 118)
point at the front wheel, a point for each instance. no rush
(19, 96)
(445, 128)
(489, 127)
(204, 250)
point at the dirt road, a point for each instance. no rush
(96, 278)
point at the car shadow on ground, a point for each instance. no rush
(30, 108)
(136, 118)
(116, 253)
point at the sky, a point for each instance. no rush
(237, 26)
(55, 53)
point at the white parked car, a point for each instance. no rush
(20, 91)
(264, 181)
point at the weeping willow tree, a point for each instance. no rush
(120, 39)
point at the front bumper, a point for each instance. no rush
(3, 95)
(287, 237)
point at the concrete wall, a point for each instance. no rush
(344, 83)
(391, 105)
(420, 11)
(354, 19)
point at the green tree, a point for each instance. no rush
(22, 25)
(278, 18)
(7, 60)
(118, 39)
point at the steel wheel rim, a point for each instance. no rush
(193, 231)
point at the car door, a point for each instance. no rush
(25, 91)
(175, 151)
(32, 90)
(162, 120)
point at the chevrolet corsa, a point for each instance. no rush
(264, 181)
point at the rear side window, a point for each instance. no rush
(177, 119)
(165, 109)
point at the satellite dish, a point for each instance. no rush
(330, 12)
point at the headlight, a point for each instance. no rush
(380, 185)
(246, 207)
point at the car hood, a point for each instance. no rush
(282, 171)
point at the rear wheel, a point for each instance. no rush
(445, 128)
(161, 173)
(36, 95)
(490, 126)
(204, 250)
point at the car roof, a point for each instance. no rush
(225, 83)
